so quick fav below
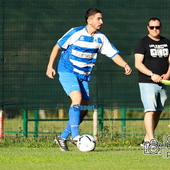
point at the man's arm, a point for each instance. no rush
(50, 71)
(143, 69)
(167, 75)
(119, 61)
(140, 66)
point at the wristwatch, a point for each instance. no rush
(151, 74)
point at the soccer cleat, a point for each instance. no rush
(142, 143)
(74, 142)
(62, 143)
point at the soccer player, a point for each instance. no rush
(80, 46)
(152, 59)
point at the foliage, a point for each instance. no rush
(105, 140)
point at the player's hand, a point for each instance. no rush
(128, 70)
(50, 72)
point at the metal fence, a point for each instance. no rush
(38, 123)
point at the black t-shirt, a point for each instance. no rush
(156, 55)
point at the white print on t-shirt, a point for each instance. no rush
(159, 50)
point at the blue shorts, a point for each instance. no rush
(153, 96)
(71, 82)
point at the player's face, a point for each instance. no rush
(95, 21)
(154, 28)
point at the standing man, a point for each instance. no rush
(80, 46)
(152, 58)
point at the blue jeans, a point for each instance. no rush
(153, 96)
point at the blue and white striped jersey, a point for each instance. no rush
(80, 51)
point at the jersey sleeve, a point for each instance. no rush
(108, 49)
(139, 49)
(67, 39)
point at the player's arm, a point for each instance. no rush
(119, 61)
(50, 71)
(143, 69)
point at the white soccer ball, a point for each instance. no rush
(86, 143)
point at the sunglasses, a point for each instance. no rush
(156, 27)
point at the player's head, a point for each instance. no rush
(90, 12)
(93, 19)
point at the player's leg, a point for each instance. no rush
(83, 113)
(70, 84)
(74, 113)
(84, 91)
(67, 130)
(84, 88)
(75, 95)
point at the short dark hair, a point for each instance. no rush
(90, 12)
(154, 19)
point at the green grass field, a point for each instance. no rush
(103, 158)
(112, 152)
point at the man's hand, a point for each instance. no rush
(156, 78)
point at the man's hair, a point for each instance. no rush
(90, 12)
(154, 19)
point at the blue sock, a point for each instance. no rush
(74, 116)
(67, 130)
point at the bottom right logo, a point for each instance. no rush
(156, 148)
